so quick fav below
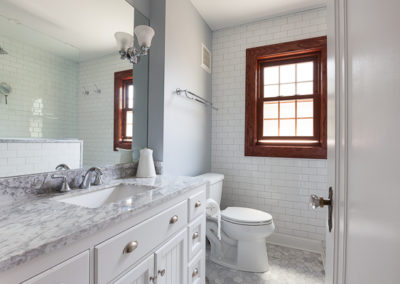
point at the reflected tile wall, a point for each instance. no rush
(96, 110)
(43, 101)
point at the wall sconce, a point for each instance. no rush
(144, 35)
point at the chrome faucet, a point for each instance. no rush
(62, 167)
(87, 178)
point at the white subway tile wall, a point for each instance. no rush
(279, 186)
(28, 158)
(96, 110)
(43, 101)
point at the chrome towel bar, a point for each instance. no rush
(193, 96)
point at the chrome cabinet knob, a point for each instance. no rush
(173, 219)
(195, 235)
(161, 272)
(195, 272)
(197, 204)
(130, 247)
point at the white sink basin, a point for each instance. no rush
(114, 194)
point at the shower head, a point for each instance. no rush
(2, 51)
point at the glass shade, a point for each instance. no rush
(124, 40)
(144, 35)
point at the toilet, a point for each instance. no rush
(243, 233)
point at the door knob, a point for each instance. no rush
(161, 272)
(319, 201)
(316, 202)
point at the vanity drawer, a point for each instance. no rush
(196, 270)
(196, 236)
(120, 252)
(72, 271)
(197, 205)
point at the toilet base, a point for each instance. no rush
(250, 256)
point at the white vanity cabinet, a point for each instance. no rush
(117, 254)
(161, 245)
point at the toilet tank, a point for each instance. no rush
(214, 189)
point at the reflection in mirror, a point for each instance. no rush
(59, 67)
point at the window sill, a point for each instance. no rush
(305, 151)
(122, 145)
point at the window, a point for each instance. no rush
(123, 109)
(286, 100)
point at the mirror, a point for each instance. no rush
(63, 100)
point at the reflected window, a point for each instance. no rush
(123, 109)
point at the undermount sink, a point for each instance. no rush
(113, 194)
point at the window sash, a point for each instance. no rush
(316, 96)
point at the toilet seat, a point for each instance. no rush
(246, 216)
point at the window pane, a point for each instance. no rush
(305, 108)
(287, 127)
(271, 91)
(129, 130)
(287, 89)
(129, 120)
(305, 88)
(305, 127)
(271, 75)
(288, 73)
(130, 96)
(270, 128)
(271, 110)
(305, 71)
(288, 109)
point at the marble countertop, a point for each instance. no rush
(38, 225)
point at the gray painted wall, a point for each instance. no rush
(187, 124)
(142, 5)
(156, 79)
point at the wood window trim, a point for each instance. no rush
(120, 79)
(255, 58)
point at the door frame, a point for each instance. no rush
(338, 90)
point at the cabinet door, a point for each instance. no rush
(171, 261)
(140, 274)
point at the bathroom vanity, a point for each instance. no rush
(155, 236)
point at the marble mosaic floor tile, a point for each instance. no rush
(287, 266)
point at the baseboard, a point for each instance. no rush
(295, 242)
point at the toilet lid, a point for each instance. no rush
(246, 216)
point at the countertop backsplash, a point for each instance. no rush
(14, 188)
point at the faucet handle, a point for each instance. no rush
(65, 186)
(99, 178)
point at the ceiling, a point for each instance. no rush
(88, 25)
(228, 13)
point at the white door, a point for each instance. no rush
(373, 222)
(171, 261)
(366, 243)
(143, 273)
